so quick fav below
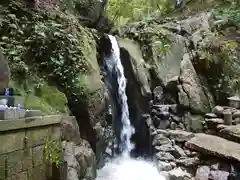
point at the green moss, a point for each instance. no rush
(44, 97)
(54, 47)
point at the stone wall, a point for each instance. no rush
(22, 145)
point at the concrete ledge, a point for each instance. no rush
(8, 125)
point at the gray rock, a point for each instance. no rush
(236, 114)
(160, 139)
(165, 148)
(173, 125)
(187, 152)
(216, 146)
(202, 173)
(180, 136)
(163, 132)
(231, 133)
(214, 166)
(157, 93)
(173, 164)
(90, 173)
(192, 93)
(156, 121)
(173, 109)
(72, 174)
(214, 122)
(193, 154)
(218, 175)
(210, 115)
(147, 118)
(190, 153)
(193, 122)
(165, 174)
(236, 121)
(169, 68)
(69, 156)
(164, 124)
(163, 166)
(181, 126)
(218, 110)
(164, 156)
(188, 162)
(176, 118)
(178, 152)
(85, 158)
(179, 174)
(70, 130)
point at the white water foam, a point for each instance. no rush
(125, 167)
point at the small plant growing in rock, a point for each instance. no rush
(53, 152)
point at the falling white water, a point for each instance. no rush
(127, 130)
(125, 167)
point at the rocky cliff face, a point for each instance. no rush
(172, 55)
(177, 69)
(53, 60)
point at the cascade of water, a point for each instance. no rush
(124, 167)
(113, 63)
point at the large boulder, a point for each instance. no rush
(80, 159)
(87, 103)
(138, 89)
(167, 66)
(138, 66)
(90, 11)
(192, 94)
(77, 151)
(70, 130)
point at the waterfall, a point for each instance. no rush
(114, 67)
(123, 167)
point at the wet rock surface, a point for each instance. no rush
(77, 152)
(180, 153)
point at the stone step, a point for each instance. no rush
(14, 114)
(214, 145)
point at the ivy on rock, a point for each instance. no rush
(55, 46)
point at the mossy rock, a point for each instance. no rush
(45, 98)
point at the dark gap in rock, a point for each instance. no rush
(79, 109)
(155, 81)
(137, 106)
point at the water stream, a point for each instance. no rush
(123, 167)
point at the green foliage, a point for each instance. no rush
(232, 66)
(123, 11)
(155, 41)
(222, 69)
(53, 152)
(231, 13)
(56, 47)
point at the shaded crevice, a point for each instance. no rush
(137, 105)
(79, 109)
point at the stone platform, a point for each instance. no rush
(15, 114)
(22, 147)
